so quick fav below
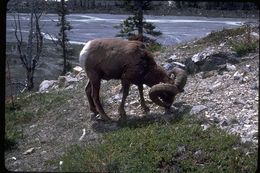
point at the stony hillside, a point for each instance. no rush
(222, 90)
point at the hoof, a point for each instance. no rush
(103, 118)
(146, 110)
(122, 113)
(93, 116)
(122, 120)
(169, 110)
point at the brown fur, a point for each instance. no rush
(118, 59)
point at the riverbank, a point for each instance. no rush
(182, 12)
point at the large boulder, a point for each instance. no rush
(208, 62)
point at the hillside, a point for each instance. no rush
(53, 131)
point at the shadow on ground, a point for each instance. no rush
(176, 114)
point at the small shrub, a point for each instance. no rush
(217, 37)
(246, 44)
(13, 119)
(154, 47)
(244, 47)
(10, 139)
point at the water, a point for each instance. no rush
(175, 29)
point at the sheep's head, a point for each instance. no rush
(163, 94)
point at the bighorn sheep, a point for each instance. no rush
(133, 64)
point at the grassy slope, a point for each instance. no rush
(29, 107)
(183, 146)
(179, 146)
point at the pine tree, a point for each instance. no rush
(135, 27)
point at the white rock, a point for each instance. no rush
(255, 35)
(198, 153)
(204, 126)
(222, 44)
(61, 162)
(230, 67)
(70, 87)
(118, 96)
(83, 134)
(43, 152)
(197, 109)
(134, 103)
(77, 70)
(179, 64)
(29, 151)
(32, 126)
(71, 79)
(173, 57)
(215, 86)
(197, 57)
(237, 76)
(13, 158)
(46, 84)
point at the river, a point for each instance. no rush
(175, 29)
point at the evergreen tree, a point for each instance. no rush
(135, 27)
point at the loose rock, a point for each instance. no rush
(29, 151)
(197, 109)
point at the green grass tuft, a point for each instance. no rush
(244, 47)
(182, 146)
(27, 107)
(219, 36)
(154, 47)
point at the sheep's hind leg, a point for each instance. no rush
(90, 100)
(95, 85)
(145, 108)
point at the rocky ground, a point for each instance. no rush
(222, 90)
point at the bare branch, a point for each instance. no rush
(39, 39)
(19, 40)
(31, 54)
(30, 40)
(19, 25)
(53, 39)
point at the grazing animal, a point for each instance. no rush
(133, 64)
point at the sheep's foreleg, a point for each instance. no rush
(125, 87)
(145, 108)
(95, 85)
(90, 99)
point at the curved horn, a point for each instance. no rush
(180, 76)
(163, 94)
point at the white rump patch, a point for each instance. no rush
(84, 54)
